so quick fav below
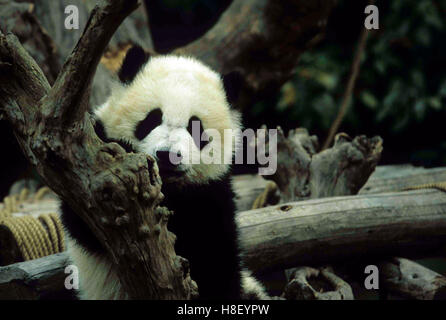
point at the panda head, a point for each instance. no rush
(177, 110)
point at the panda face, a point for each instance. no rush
(170, 104)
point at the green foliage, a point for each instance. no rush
(401, 84)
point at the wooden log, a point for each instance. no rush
(329, 230)
(389, 178)
(395, 178)
(36, 279)
(411, 280)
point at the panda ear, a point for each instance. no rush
(233, 83)
(134, 60)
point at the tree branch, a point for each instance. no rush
(72, 86)
(304, 173)
(263, 39)
(346, 98)
(115, 193)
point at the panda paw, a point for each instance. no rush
(252, 289)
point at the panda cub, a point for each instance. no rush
(154, 109)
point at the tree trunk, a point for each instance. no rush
(115, 193)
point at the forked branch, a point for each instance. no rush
(115, 193)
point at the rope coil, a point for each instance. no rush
(35, 237)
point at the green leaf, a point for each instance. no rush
(369, 99)
(435, 103)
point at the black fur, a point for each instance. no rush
(100, 132)
(204, 224)
(79, 230)
(152, 120)
(134, 60)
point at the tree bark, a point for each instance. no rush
(316, 284)
(42, 278)
(263, 40)
(411, 280)
(331, 230)
(115, 193)
(391, 178)
(400, 177)
(304, 173)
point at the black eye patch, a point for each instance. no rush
(197, 137)
(146, 126)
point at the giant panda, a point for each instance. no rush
(152, 110)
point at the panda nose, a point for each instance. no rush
(168, 159)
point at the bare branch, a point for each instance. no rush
(115, 193)
(71, 88)
(304, 173)
(346, 98)
(263, 39)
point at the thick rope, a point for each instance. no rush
(436, 185)
(35, 237)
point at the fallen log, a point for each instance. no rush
(36, 279)
(330, 230)
(390, 178)
(400, 177)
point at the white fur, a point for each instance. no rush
(98, 279)
(252, 289)
(181, 87)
